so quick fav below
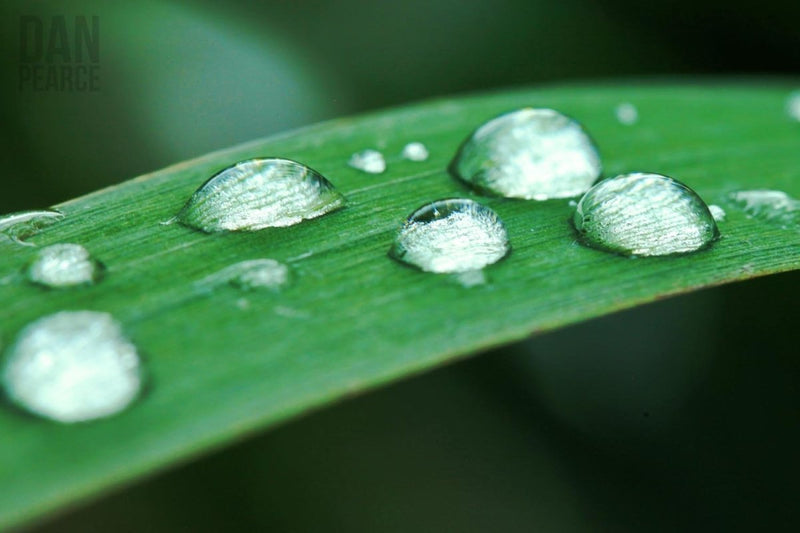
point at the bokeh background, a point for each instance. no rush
(681, 415)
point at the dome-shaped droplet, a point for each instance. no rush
(415, 151)
(453, 235)
(72, 366)
(627, 113)
(535, 154)
(255, 274)
(64, 265)
(369, 161)
(260, 193)
(644, 214)
(18, 226)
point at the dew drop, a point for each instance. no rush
(255, 274)
(717, 212)
(370, 161)
(260, 193)
(19, 226)
(645, 215)
(452, 235)
(72, 366)
(64, 265)
(535, 154)
(627, 113)
(415, 151)
(793, 105)
(770, 206)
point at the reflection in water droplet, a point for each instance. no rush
(64, 265)
(644, 214)
(19, 226)
(453, 235)
(249, 275)
(257, 194)
(717, 212)
(627, 113)
(793, 105)
(536, 154)
(415, 151)
(770, 206)
(72, 366)
(370, 161)
(471, 278)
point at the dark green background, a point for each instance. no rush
(679, 415)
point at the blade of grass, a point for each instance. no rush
(226, 364)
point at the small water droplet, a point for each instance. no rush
(793, 105)
(535, 154)
(370, 161)
(452, 235)
(255, 274)
(415, 151)
(19, 226)
(72, 366)
(260, 193)
(717, 212)
(627, 113)
(770, 206)
(64, 265)
(645, 215)
(471, 278)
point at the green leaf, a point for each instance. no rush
(225, 364)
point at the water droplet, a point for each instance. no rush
(19, 226)
(452, 235)
(535, 154)
(370, 161)
(255, 274)
(644, 214)
(793, 105)
(717, 212)
(627, 113)
(260, 193)
(64, 265)
(770, 206)
(415, 151)
(72, 366)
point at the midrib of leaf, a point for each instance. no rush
(354, 319)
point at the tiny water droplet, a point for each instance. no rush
(627, 113)
(260, 193)
(370, 161)
(72, 366)
(770, 206)
(19, 226)
(452, 235)
(415, 151)
(64, 265)
(471, 278)
(717, 212)
(645, 215)
(535, 154)
(793, 105)
(255, 274)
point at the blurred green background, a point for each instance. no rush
(680, 415)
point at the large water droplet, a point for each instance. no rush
(415, 151)
(644, 214)
(536, 154)
(260, 193)
(64, 265)
(770, 206)
(72, 366)
(370, 161)
(254, 274)
(19, 226)
(453, 235)
(627, 113)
